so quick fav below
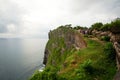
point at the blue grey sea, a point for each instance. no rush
(19, 58)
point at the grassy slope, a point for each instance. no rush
(94, 58)
(89, 63)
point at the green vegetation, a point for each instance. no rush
(95, 62)
(114, 26)
(79, 27)
(96, 26)
(105, 38)
(91, 63)
(109, 52)
(58, 47)
(105, 27)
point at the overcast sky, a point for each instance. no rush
(34, 18)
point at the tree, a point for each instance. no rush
(115, 26)
(97, 26)
(79, 27)
(105, 27)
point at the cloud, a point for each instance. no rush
(10, 15)
(37, 17)
(87, 12)
(95, 6)
(11, 28)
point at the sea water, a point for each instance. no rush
(19, 58)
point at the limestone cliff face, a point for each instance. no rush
(61, 41)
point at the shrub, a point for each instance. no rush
(105, 27)
(109, 51)
(86, 35)
(87, 66)
(115, 26)
(85, 70)
(105, 38)
(97, 26)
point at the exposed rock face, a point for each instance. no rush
(117, 48)
(115, 37)
(61, 40)
(45, 56)
(100, 33)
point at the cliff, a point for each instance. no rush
(61, 41)
(70, 55)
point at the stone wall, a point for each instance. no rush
(117, 48)
(115, 39)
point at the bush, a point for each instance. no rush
(40, 76)
(86, 35)
(85, 70)
(105, 38)
(96, 26)
(87, 66)
(115, 26)
(109, 51)
(49, 73)
(105, 27)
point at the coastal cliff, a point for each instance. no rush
(61, 41)
(71, 55)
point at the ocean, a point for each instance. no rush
(20, 58)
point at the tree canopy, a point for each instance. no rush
(97, 26)
(113, 26)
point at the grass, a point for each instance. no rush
(102, 69)
(90, 63)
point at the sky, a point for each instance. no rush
(35, 18)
